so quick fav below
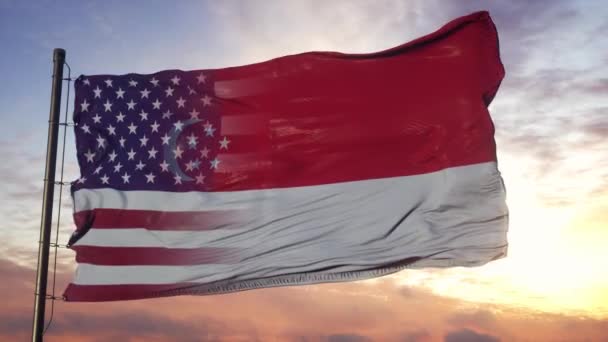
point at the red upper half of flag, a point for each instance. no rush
(307, 119)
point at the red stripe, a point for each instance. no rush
(159, 220)
(101, 293)
(125, 256)
(330, 117)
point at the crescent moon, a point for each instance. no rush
(173, 165)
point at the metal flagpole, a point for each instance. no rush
(47, 199)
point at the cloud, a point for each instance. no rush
(595, 124)
(420, 335)
(347, 338)
(356, 311)
(133, 324)
(467, 335)
(15, 324)
(481, 319)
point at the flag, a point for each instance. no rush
(315, 167)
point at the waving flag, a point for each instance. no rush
(309, 168)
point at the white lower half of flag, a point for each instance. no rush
(214, 242)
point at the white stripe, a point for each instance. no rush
(88, 274)
(452, 217)
(411, 189)
(140, 237)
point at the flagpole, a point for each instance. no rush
(47, 197)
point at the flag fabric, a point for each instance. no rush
(310, 168)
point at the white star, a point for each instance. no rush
(104, 179)
(181, 102)
(122, 142)
(140, 166)
(131, 105)
(191, 165)
(120, 117)
(152, 153)
(145, 93)
(84, 106)
(191, 91)
(209, 130)
(97, 118)
(97, 92)
(201, 78)
(178, 179)
(167, 114)
(97, 170)
(194, 114)
(131, 154)
(224, 143)
(144, 140)
(200, 179)
(178, 152)
(165, 139)
(120, 93)
(85, 128)
(125, 178)
(156, 104)
(117, 167)
(175, 80)
(112, 156)
(205, 152)
(86, 81)
(101, 141)
(108, 105)
(154, 127)
(178, 125)
(111, 130)
(132, 129)
(144, 115)
(81, 180)
(192, 141)
(132, 83)
(169, 91)
(206, 100)
(89, 156)
(164, 166)
(154, 81)
(150, 178)
(214, 163)
(108, 83)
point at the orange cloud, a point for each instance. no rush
(356, 311)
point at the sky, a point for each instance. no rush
(551, 118)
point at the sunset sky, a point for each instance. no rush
(551, 118)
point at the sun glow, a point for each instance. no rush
(556, 262)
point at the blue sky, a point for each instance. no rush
(551, 116)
